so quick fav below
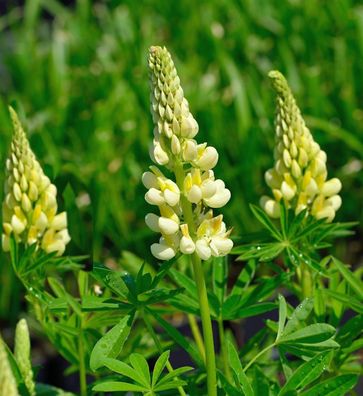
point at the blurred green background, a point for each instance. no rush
(77, 74)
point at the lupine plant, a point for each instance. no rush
(119, 331)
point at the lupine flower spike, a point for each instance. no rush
(175, 147)
(299, 176)
(22, 355)
(7, 380)
(30, 205)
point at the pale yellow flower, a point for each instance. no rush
(30, 204)
(22, 354)
(7, 380)
(175, 147)
(299, 176)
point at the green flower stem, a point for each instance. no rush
(207, 325)
(83, 290)
(159, 347)
(202, 290)
(304, 280)
(250, 363)
(196, 334)
(223, 349)
(82, 366)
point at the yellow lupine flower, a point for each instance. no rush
(30, 205)
(299, 176)
(175, 126)
(22, 354)
(174, 145)
(7, 381)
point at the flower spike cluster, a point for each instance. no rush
(299, 176)
(195, 188)
(30, 205)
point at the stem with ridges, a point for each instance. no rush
(82, 366)
(196, 334)
(223, 349)
(201, 287)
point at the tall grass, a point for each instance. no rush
(79, 76)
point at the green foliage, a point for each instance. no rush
(83, 99)
(110, 345)
(139, 373)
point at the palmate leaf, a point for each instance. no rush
(282, 316)
(308, 228)
(220, 278)
(191, 291)
(307, 373)
(330, 231)
(240, 376)
(355, 283)
(114, 386)
(260, 383)
(227, 387)
(257, 339)
(185, 304)
(244, 278)
(235, 305)
(262, 217)
(337, 386)
(184, 281)
(298, 256)
(311, 334)
(159, 367)
(124, 369)
(111, 279)
(47, 390)
(350, 301)
(350, 331)
(264, 288)
(140, 373)
(249, 310)
(157, 296)
(300, 314)
(110, 345)
(178, 338)
(261, 251)
(169, 385)
(96, 303)
(170, 376)
(306, 350)
(140, 365)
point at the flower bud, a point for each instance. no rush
(7, 379)
(187, 245)
(331, 187)
(271, 207)
(22, 355)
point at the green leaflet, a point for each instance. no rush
(239, 374)
(110, 345)
(307, 373)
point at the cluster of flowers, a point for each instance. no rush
(299, 176)
(175, 148)
(30, 205)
